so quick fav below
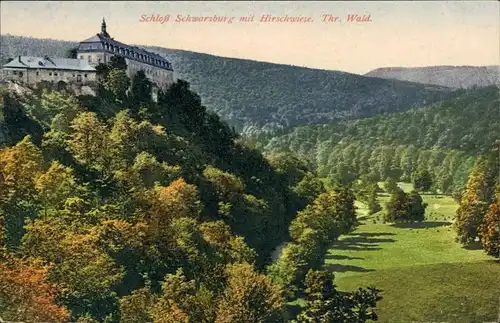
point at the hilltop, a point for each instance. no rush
(451, 76)
(255, 96)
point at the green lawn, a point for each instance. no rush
(425, 276)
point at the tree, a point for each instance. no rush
(117, 83)
(228, 187)
(56, 185)
(135, 307)
(20, 166)
(416, 207)
(177, 200)
(403, 208)
(390, 185)
(117, 62)
(372, 201)
(308, 189)
(397, 207)
(327, 305)
(140, 91)
(88, 276)
(422, 181)
(89, 143)
(26, 293)
(489, 231)
(181, 301)
(249, 297)
(474, 203)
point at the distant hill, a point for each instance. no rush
(444, 137)
(451, 76)
(255, 96)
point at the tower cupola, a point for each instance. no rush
(103, 28)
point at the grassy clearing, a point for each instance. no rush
(425, 276)
(447, 292)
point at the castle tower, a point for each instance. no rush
(103, 28)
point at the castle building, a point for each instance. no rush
(33, 70)
(101, 47)
(81, 71)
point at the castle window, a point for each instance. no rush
(37, 73)
(15, 72)
(81, 56)
(84, 75)
(20, 74)
(106, 46)
(50, 73)
(55, 74)
(73, 75)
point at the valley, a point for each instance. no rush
(249, 192)
(423, 273)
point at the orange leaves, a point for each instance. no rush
(177, 200)
(249, 297)
(26, 295)
(489, 231)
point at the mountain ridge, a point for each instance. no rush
(460, 76)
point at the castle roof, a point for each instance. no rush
(33, 62)
(115, 47)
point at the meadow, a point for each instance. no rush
(424, 274)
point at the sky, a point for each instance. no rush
(409, 34)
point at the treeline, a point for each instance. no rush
(298, 268)
(119, 208)
(444, 139)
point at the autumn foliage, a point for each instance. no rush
(26, 294)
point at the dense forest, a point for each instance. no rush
(238, 90)
(444, 139)
(116, 208)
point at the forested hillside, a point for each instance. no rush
(256, 96)
(115, 208)
(443, 138)
(450, 76)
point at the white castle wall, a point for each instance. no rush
(33, 76)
